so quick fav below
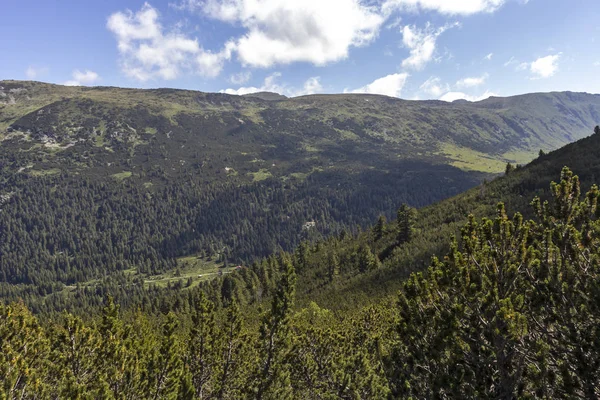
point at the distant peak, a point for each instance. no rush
(269, 96)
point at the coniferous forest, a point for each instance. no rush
(134, 266)
(510, 310)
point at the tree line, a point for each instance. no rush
(510, 311)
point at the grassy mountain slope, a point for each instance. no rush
(96, 181)
(511, 312)
(435, 224)
(356, 282)
(248, 134)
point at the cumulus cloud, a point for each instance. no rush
(82, 78)
(148, 51)
(240, 78)
(271, 84)
(274, 32)
(311, 86)
(421, 43)
(434, 87)
(35, 72)
(472, 82)
(390, 85)
(545, 67)
(448, 7)
(283, 31)
(452, 96)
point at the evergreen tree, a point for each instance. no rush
(166, 368)
(203, 348)
(406, 218)
(333, 266)
(272, 378)
(367, 261)
(380, 228)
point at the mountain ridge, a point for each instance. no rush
(480, 136)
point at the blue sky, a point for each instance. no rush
(413, 49)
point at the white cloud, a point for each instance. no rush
(148, 52)
(240, 78)
(390, 85)
(283, 31)
(510, 62)
(450, 7)
(311, 86)
(488, 57)
(421, 43)
(545, 67)
(452, 96)
(471, 82)
(271, 84)
(434, 87)
(82, 78)
(35, 72)
(597, 64)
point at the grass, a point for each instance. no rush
(309, 148)
(122, 175)
(520, 157)
(260, 175)
(194, 267)
(43, 172)
(471, 160)
(299, 175)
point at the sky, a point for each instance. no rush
(412, 49)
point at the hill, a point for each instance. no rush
(510, 311)
(267, 96)
(297, 135)
(167, 185)
(435, 224)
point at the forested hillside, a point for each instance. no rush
(103, 185)
(509, 310)
(455, 299)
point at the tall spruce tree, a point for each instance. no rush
(272, 377)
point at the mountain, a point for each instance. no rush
(297, 134)
(507, 310)
(435, 224)
(267, 96)
(168, 185)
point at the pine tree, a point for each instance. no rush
(73, 357)
(203, 350)
(231, 375)
(166, 369)
(367, 261)
(24, 354)
(272, 379)
(380, 228)
(406, 218)
(333, 266)
(569, 273)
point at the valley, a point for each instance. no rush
(160, 175)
